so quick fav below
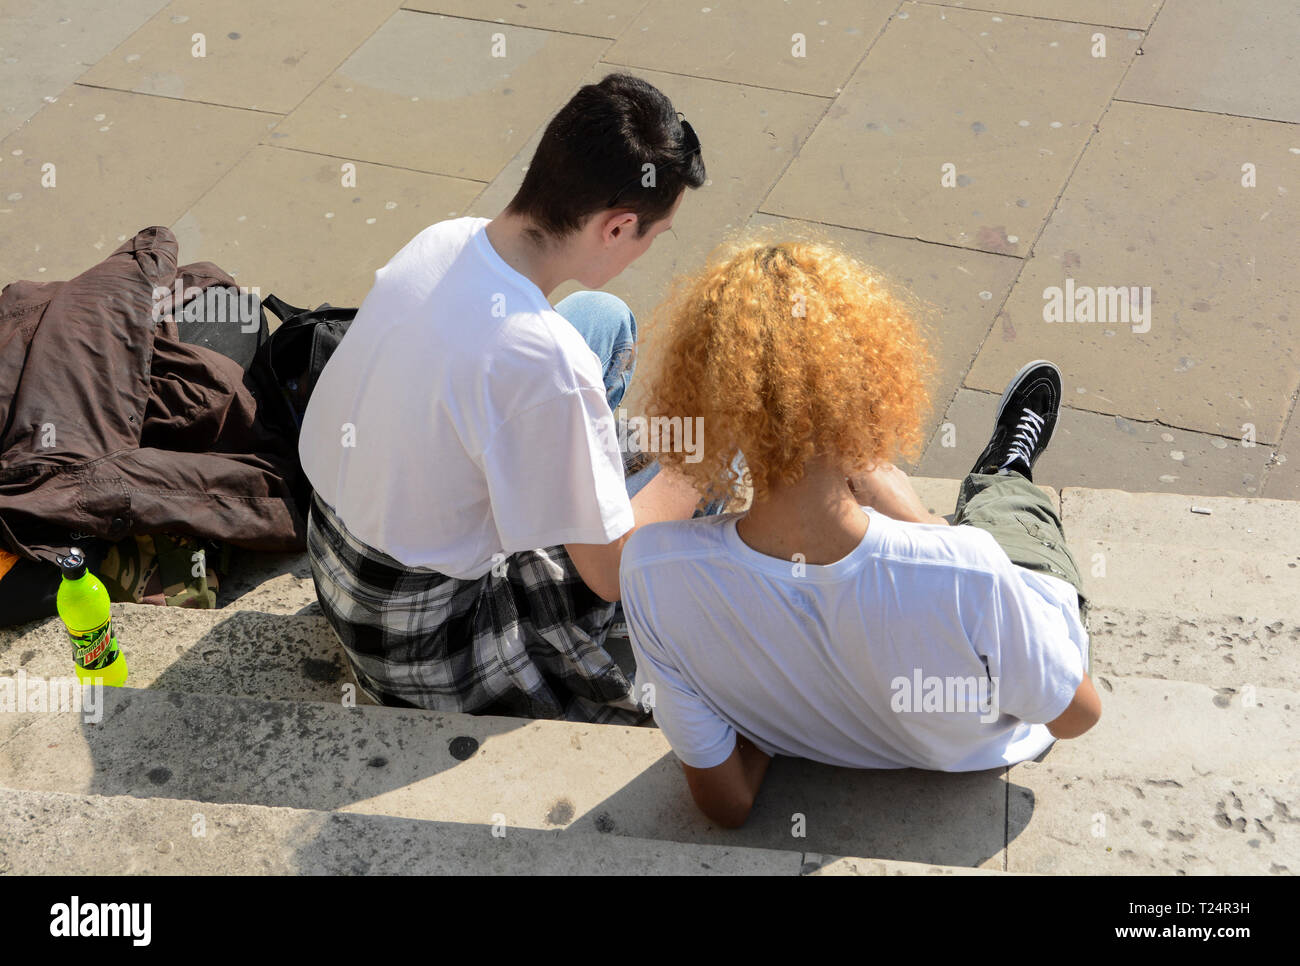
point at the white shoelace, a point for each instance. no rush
(1025, 438)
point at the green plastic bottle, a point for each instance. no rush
(83, 607)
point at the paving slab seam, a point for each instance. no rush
(1151, 422)
(516, 26)
(718, 80)
(1034, 16)
(808, 219)
(1006, 819)
(1056, 202)
(1287, 424)
(167, 97)
(327, 75)
(829, 104)
(377, 164)
(208, 190)
(1201, 110)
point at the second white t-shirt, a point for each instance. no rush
(874, 661)
(462, 416)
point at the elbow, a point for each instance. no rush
(1079, 725)
(733, 818)
(732, 815)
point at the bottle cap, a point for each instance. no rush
(73, 565)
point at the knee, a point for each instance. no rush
(601, 311)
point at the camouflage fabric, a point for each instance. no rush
(178, 571)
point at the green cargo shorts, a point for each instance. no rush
(1023, 521)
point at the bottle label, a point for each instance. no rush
(96, 649)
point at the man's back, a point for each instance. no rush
(890, 657)
(454, 363)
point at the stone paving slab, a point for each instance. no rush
(1157, 202)
(1107, 452)
(257, 55)
(110, 177)
(233, 652)
(1226, 56)
(1176, 731)
(945, 86)
(1171, 778)
(1155, 554)
(45, 47)
(1221, 824)
(1113, 13)
(285, 222)
(808, 47)
(606, 18)
(963, 289)
(536, 774)
(940, 495)
(1223, 652)
(48, 833)
(771, 124)
(273, 583)
(439, 94)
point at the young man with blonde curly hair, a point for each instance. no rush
(838, 620)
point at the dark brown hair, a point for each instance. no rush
(593, 153)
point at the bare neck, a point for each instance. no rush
(547, 268)
(818, 517)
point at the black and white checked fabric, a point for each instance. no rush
(526, 640)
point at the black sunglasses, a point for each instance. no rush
(689, 141)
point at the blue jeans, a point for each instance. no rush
(609, 327)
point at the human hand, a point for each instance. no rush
(886, 488)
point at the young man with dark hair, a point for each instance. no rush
(470, 504)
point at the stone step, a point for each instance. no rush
(298, 658)
(1153, 616)
(1151, 551)
(52, 833)
(1218, 650)
(1165, 744)
(1241, 558)
(273, 583)
(1195, 625)
(225, 651)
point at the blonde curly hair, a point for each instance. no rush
(789, 351)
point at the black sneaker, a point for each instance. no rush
(1025, 421)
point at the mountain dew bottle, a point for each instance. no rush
(84, 609)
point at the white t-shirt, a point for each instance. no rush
(462, 416)
(874, 661)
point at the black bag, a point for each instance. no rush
(285, 369)
(293, 356)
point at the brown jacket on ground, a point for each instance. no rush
(110, 425)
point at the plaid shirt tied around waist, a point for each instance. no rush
(526, 639)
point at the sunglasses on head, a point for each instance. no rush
(690, 143)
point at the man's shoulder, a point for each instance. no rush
(658, 543)
(964, 548)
